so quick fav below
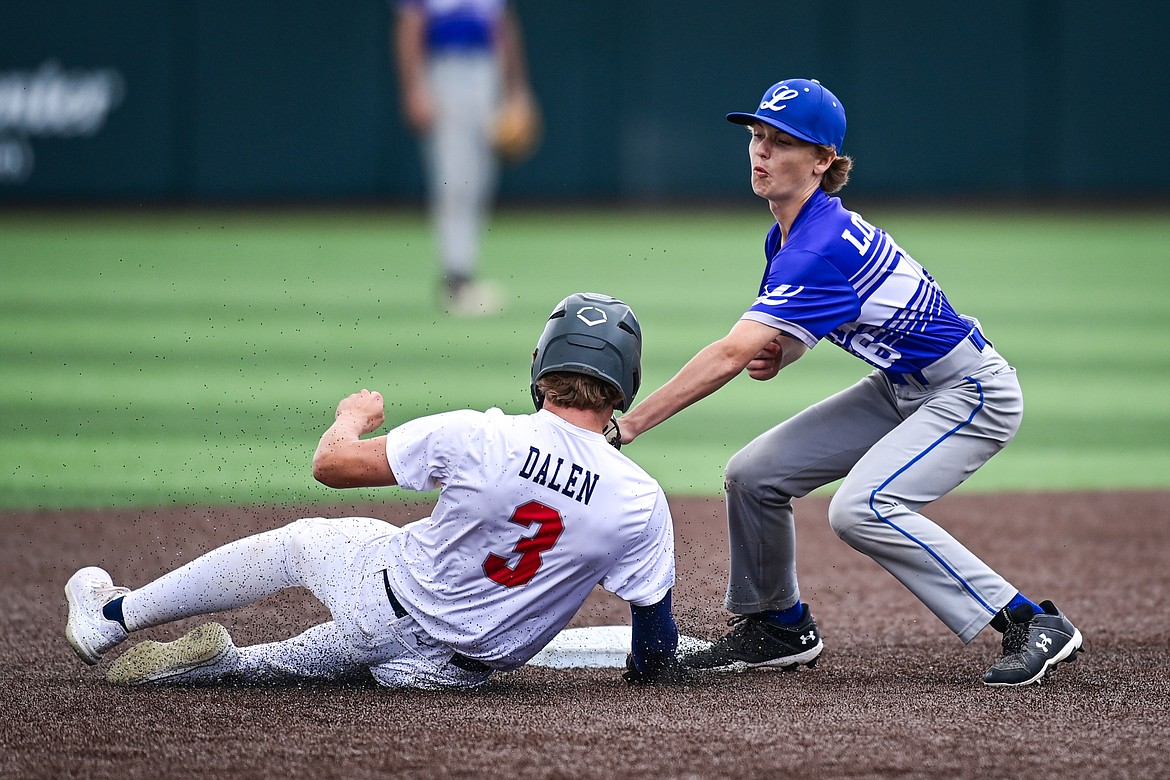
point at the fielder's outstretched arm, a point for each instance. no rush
(345, 460)
(714, 366)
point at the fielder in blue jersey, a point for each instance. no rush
(459, 62)
(938, 404)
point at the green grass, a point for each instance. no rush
(195, 357)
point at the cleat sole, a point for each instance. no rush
(180, 661)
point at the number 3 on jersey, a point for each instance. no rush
(530, 548)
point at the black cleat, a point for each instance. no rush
(1031, 649)
(758, 643)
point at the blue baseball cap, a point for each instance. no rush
(800, 107)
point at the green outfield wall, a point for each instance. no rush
(173, 101)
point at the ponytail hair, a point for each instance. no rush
(838, 174)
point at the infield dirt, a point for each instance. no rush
(894, 694)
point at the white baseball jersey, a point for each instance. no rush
(533, 512)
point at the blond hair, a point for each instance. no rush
(579, 391)
(838, 174)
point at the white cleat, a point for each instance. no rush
(88, 631)
(201, 656)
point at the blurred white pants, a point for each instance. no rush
(460, 163)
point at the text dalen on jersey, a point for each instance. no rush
(570, 479)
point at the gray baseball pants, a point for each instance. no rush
(900, 443)
(460, 163)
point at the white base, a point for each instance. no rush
(597, 647)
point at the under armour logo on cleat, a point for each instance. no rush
(1044, 642)
(806, 638)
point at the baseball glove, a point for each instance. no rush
(518, 129)
(612, 433)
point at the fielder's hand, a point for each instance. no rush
(766, 363)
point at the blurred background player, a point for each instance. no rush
(939, 403)
(533, 512)
(460, 62)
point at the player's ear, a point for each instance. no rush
(823, 158)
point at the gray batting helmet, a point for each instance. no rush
(590, 333)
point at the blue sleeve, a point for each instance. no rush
(804, 289)
(654, 635)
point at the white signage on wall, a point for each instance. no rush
(51, 101)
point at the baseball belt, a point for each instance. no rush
(963, 357)
(459, 660)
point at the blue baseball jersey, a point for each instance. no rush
(837, 277)
(459, 25)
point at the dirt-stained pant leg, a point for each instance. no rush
(315, 553)
(948, 434)
(333, 558)
(322, 652)
(816, 447)
(248, 569)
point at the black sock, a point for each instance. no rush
(113, 611)
(1018, 610)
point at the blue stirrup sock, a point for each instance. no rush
(784, 617)
(1019, 601)
(113, 611)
